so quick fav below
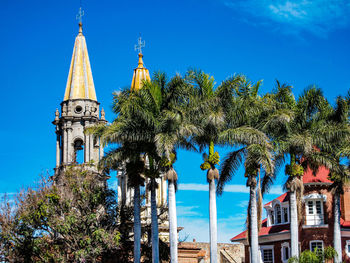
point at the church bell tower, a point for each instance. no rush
(79, 110)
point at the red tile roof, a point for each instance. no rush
(265, 230)
(282, 198)
(321, 176)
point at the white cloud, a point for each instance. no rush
(243, 203)
(187, 210)
(294, 16)
(233, 188)
(193, 187)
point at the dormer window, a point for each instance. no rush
(278, 214)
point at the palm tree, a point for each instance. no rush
(133, 143)
(335, 148)
(297, 139)
(207, 111)
(174, 129)
(150, 123)
(252, 147)
(163, 106)
(208, 115)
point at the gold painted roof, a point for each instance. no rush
(80, 84)
(140, 74)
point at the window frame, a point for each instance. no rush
(272, 214)
(283, 214)
(314, 215)
(316, 241)
(272, 217)
(276, 214)
(269, 247)
(283, 246)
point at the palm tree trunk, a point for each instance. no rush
(254, 241)
(172, 221)
(137, 225)
(213, 222)
(294, 231)
(337, 234)
(154, 215)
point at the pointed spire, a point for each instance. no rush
(140, 73)
(80, 84)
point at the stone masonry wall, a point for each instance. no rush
(235, 250)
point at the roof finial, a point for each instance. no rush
(140, 45)
(80, 18)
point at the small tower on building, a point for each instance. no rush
(79, 110)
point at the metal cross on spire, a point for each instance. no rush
(140, 44)
(80, 15)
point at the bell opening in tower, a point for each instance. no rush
(78, 151)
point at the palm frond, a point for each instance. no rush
(229, 166)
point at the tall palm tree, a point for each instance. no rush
(207, 114)
(164, 103)
(335, 148)
(252, 148)
(132, 145)
(173, 132)
(299, 140)
(150, 122)
(129, 156)
(207, 111)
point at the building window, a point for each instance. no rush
(285, 252)
(278, 214)
(310, 207)
(316, 245)
(285, 214)
(267, 254)
(347, 248)
(314, 212)
(272, 218)
(318, 207)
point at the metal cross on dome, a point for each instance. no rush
(80, 15)
(140, 44)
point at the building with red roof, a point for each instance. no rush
(315, 228)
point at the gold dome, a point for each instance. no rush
(80, 84)
(140, 74)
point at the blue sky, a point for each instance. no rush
(298, 42)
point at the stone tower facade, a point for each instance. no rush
(79, 110)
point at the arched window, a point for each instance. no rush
(285, 215)
(272, 218)
(78, 151)
(278, 214)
